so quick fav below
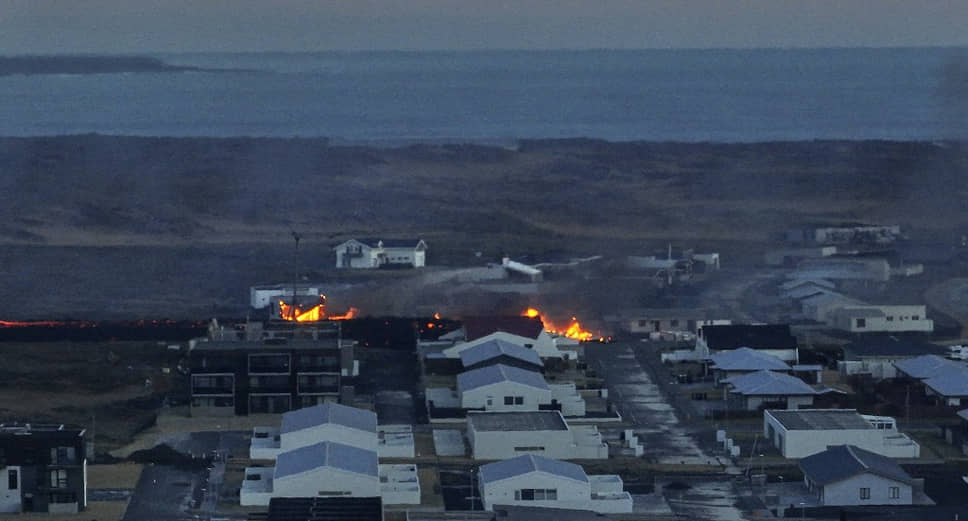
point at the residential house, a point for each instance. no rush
(381, 253)
(497, 351)
(946, 380)
(502, 435)
(665, 320)
(882, 319)
(846, 475)
(768, 389)
(524, 331)
(804, 432)
(772, 339)
(536, 481)
(876, 355)
(822, 306)
(502, 388)
(45, 468)
(269, 376)
(737, 362)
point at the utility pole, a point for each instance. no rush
(295, 276)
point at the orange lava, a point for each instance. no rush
(572, 330)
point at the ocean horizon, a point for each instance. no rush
(501, 96)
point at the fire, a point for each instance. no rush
(349, 315)
(297, 314)
(572, 330)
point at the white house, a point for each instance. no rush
(801, 433)
(768, 388)
(845, 475)
(772, 339)
(381, 253)
(882, 319)
(541, 482)
(330, 469)
(502, 388)
(524, 331)
(502, 435)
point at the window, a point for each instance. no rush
(894, 492)
(58, 478)
(865, 493)
(62, 455)
(536, 494)
(861, 323)
(508, 400)
(643, 323)
(529, 449)
(890, 318)
(514, 400)
(62, 497)
(915, 317)
(519, 400)
(12, 480)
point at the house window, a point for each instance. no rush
(894, 492)
(861, 323)
(58, 478)
(12, 480)
(529, 449)
(508, 400)
(62, 456)
(890, 318)
(865, 493)
(536, 494)
(514, 400)
(643, 323)
(915, 317)
(519, 400)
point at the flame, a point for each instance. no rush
(297, 314)
(349, 315)
(573, 330)
(436, 316)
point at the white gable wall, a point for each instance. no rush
(544, 344)
(491, 397)
(326, 481)
(847, 492)
(570, 493)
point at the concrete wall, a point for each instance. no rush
(328, 432)
(326, 481)
(847, 492)
(479, 398)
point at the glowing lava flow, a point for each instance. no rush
(574, 329)
(351, 314)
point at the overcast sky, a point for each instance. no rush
(61, 26)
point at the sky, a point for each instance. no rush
(138, 26)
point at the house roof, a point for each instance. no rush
(950, 381)
(509, 468)
(492, 374)
(746, 359)
(845, 461)
(517, 421)
(326, 454)
(805, 292)
(477, 327)
(889, 346)
(373, 242)
(496, 348)
(767, 336)
(829, 297)
(820, 419)
(328, 413)
(925, 366)
(793, 283)
(769, 383)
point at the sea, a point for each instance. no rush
(498, 97)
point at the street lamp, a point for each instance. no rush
(802, 505)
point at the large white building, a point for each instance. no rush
(503, 435)
(381, 253)
(801, 433)
(882, 319)
(541, 482)
(845, 475)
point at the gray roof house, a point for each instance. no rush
(520, 465)
(497, 351)
(493, 374)
(946, 379)
(770, 389)
(326, 454)
(845, 475)
(329, 413)
(728, 364)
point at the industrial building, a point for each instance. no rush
(372, 253)
(502, 435)
(269, 376)
(845, 475)
(536, 481)
(801, 433)
(45, 466)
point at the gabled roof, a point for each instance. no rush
(746, 359)
(886, 346)
(925, 366)
(373, 242)
(328, 413)
(950, 381)
(495, 348)
(805, 292)
(769, 383)
(767, 336)
(498, 373)
(829, 297)
(326, 454)
(845, 461)
(519, 465)
(477, 327)
(794, 283)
